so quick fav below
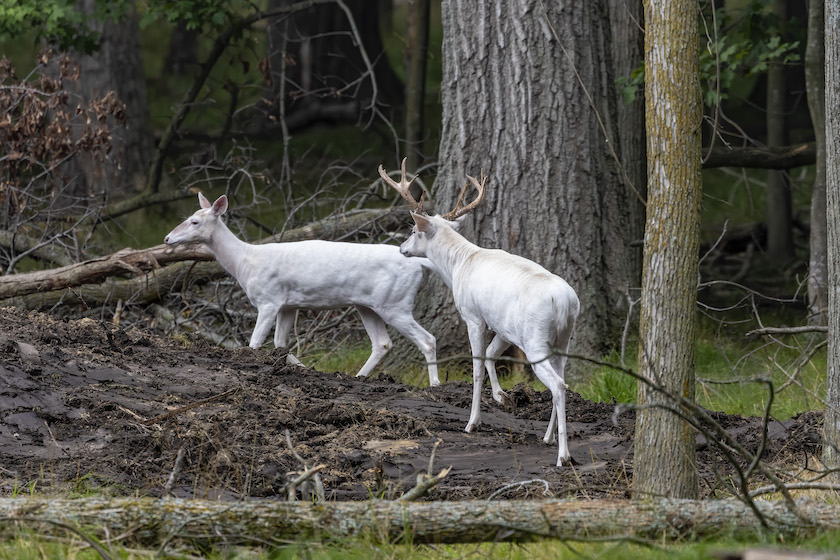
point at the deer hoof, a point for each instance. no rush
(503, 399)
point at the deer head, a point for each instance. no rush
(201, 225)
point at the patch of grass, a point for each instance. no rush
(346, 357)
(25, 544)
(734, 374)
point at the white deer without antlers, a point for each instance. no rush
(280, 278)
(495, 291)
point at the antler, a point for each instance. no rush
(403, 187)
(460, 209)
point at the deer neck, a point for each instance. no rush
(230, 251)
(450, 253)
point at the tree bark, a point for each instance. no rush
(155, 522)
(831, 429)
(815, 80)
(663, 463)
(117, 67)
(778, 204)
(150, 280)
(512, 106)
(628, 52)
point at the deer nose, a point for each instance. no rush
(166, 240)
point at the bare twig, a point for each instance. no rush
(426, 481)
(305, 475)
(174, 474)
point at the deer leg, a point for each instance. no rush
(285, 320)
(497, 347)
(558, 363)
(282, 328)
(478, 342)
(407, 326)
(265, 320)
(380, 342)
(544, 369)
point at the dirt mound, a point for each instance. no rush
(86, 405)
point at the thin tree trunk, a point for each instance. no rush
(156, 522)
(628, 52)
(663, 463)
(815, 80)
(415, 83)
(831, 430)
(778, 198)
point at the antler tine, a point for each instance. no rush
(403, 187)
(460, 209)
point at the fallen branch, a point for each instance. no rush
(426, 481)
(177, 323)
(150, 521)
(783, 157)
(170, 413)
(291, 490)
(787, 330)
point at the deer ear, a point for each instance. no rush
(457, 222)
(202, 201)
(220, 206)
(423, 223)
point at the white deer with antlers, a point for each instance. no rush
(495, 291)
(280, 278)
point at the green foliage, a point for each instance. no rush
(59, 22)
(738, 45)
(741, 44)
(197, 15)
(733, 372)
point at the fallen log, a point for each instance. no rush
(150, 522)
(150, 279)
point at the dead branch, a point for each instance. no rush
(426, 481)
(305, 475)
(170, 482)
(177, 323)
(783, 157)
(787, 330)
(169, 414)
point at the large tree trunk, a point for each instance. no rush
(513, 107)
(831, 447)
(628, 52)
(153, 522)
(663, 463)
(117, 67)
(815, 80)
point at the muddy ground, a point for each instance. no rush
(86, 406)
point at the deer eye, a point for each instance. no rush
(194, 222)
